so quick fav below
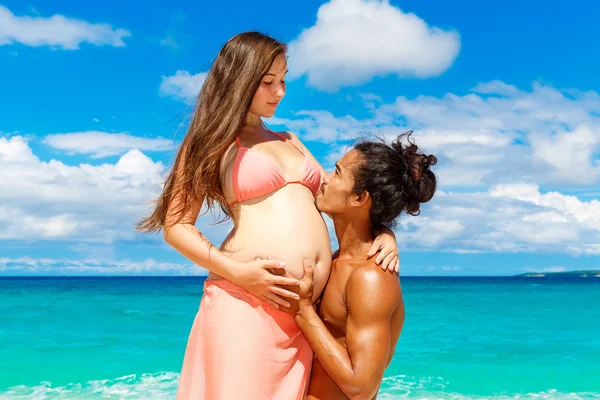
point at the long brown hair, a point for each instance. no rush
(219, 114)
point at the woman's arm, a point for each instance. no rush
(254, 276)
(385, 244)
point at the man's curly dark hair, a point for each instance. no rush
(397, 178)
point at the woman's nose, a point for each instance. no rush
(280, 90)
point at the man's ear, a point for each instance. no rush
(362, 200)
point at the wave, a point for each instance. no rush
(432, 388)
(159, 386)
(163, 385)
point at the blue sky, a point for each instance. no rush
(95, 98)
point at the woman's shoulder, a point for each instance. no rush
(286, 134)
(229, 156)
(290, 136)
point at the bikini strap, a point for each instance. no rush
(278, 134)
(284, 139)
(296, 147)
(237, 140)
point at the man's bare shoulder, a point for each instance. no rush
(368, 283)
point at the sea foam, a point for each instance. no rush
(156, 386)
(434, 388)
(163, 385)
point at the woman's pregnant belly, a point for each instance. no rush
(285, 226)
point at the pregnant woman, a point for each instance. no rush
(242, 346)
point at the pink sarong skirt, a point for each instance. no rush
(240, 347)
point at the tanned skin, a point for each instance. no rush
(359, 319)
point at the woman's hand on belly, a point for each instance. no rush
(319, 275)
(256, 278)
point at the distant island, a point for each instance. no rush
(591, 273)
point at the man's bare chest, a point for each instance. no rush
(333, 309)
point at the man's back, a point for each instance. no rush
(354, 287)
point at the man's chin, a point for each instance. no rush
(317, 201)
(320, 204)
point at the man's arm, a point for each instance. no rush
(372, 296)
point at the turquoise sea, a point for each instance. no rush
(124, 338)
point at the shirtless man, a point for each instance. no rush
(359, 319)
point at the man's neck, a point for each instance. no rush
(354, 236)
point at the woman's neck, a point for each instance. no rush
(253, 120)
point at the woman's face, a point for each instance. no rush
(271, 89)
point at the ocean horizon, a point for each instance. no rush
(123, 337)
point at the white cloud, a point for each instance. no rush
(50, 227)
(562, 208)
(52, 200)
(183, 85)
(103, 144)
(80, 203)
(568, 153)
(323, 126)
(47, 266)
(500, 134)
(15, 150)
(99, 204)
(175, 32)
(445, 268)
(169, 41)
(506, 218)
(356, 40)
(57, 31)
(496, 147)
(496, 87)
(433, 231)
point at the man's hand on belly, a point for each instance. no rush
(304, 290)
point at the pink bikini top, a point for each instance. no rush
(256, 174)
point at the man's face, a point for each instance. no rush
(335, 195)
